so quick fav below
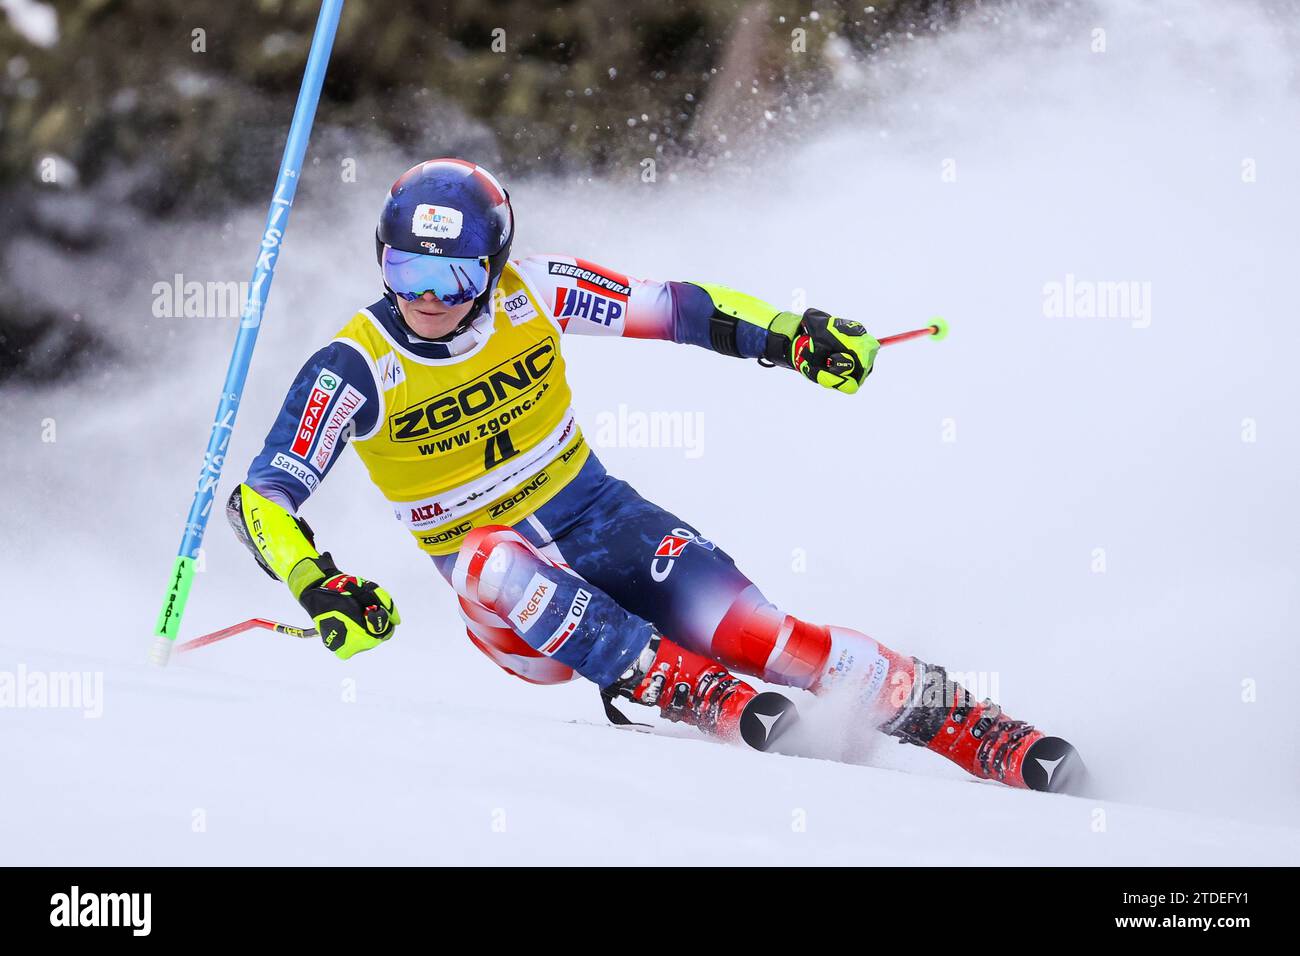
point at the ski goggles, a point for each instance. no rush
(453, 280)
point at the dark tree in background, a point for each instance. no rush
(146, 109)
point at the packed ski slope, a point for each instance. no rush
(1072, 504)
(255, 747)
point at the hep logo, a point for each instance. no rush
(586, 305)
(670, 549)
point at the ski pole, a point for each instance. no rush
(937, 328)
(240, 628)
(286, 186)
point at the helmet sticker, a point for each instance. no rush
(441, 222)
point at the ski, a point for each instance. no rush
(1052, 765)
(766, 719)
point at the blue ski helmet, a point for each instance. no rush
(446, 227)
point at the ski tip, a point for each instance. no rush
(766, 719)
(1053, 765)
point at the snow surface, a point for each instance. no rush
(979, 553)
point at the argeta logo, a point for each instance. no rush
(75, 908)
(537, 595)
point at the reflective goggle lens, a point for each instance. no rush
(453, 280)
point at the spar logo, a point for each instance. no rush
(327, 384)
(670, 549)
(600, 295)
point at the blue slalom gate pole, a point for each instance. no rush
(286, 186)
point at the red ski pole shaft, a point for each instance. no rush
(937, 328)
(243, 626)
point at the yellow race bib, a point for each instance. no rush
(485, 437)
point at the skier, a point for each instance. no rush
(452, 389)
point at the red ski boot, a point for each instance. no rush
(941, 715)
(691, 688)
